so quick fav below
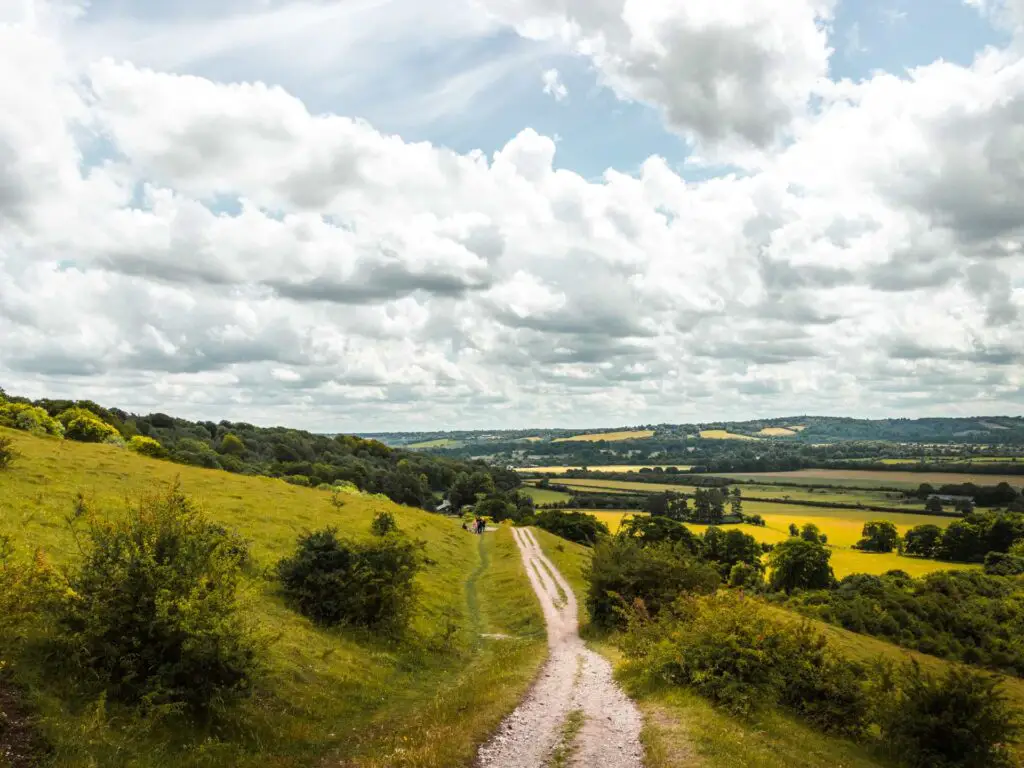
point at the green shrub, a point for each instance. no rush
(147, 446)
(8, 453)
(339, 581)
(732, 651)
(961, 718)
(746, 576)
(152, 613)
(647, 530)
(383, 524)
(297, 480)
(574, 526)
(232, 445)
(29, 418)
(622, 571)
(86, 427)
(999, 564)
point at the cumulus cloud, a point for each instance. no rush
(719, 72)
(179, 243)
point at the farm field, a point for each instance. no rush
(777, 432)
(544, 495)
(866, 497)
(442, 442)
(323, 693)
(609, 468)
(641, 434)
(842, 528)
(721, 434)
(873, 479)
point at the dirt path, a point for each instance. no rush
(575, 685)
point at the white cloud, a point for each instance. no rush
(553, 85)
(171, 242)
(721, 72)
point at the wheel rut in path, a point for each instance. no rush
(574, 678)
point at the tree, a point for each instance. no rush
(232, 445)
(727, 548)
(800, 564)
(933, 505)
(736, 503)
(811, 532)
(878, 536)
(648, 530)
(708, 506)
(657, 504)
(922, 540)
(793, 530)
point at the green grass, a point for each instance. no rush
(867, 478)
(682, 730)
(544, 495)
(571, 728)
(324, 694)
(866, 497)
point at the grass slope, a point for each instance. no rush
(682, 730)
(324, 694)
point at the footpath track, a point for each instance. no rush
(575, 685)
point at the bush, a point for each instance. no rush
(998, 564)
(647, 530)
(339, 581)
(731, 650)
(86, 427)
(962, 718)
(29, 418)
(746, 576)
(574, 526)
(622, 571)
(147, 446)
(383, 524)
(878, 536)
(152, 611)
(8, 453)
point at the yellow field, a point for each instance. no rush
(797, 427)
(721, 434)
(843, 529)
(777, 432)
(609, 436)
(441, 442)
(609, 468)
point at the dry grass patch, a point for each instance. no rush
(777, 432)
(721, 434)
(640, 434)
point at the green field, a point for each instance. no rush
(865, 478)
(325, 695)
(544, 495)
(562, 469)
(865, 497)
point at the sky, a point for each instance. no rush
(384, 215)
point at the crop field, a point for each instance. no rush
(441, 442)
(609, 468)
(874, 478)
(777, 432)
(721, 434)
(842, 526)
(544, 495)
(641, 434)
(866, 497)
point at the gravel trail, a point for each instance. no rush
(573, 679)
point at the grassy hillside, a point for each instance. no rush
(683, 730)
(325, 694)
